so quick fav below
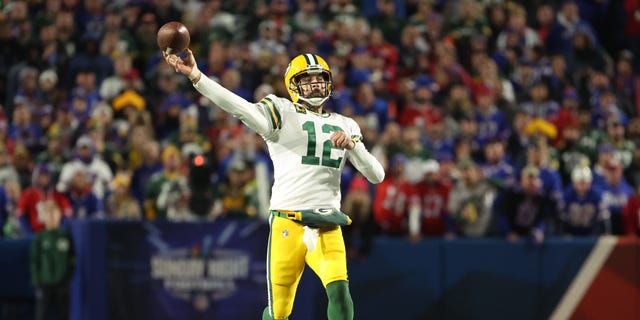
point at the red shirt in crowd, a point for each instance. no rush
(433, 201)
(28, 204)
(631, 216)
(390, 205)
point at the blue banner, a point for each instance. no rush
(187, 270)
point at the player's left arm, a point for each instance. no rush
(358, 154)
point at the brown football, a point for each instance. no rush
(173, 37)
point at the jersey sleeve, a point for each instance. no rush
(360, 157)
(272, 108)
(251, 114)
(354, 130)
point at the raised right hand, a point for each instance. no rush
(186, 66)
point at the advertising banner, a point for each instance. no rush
(187, 270)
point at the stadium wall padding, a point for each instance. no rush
(432, 279)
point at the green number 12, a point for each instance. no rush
(327, 146)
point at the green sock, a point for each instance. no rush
(266, 316)
(340, 303)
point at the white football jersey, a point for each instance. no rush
(306, 165)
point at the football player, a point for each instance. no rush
(308, 147)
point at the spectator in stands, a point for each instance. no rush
(457, 104)
(27, 91)
(121, 204)
(12, 228)
(436, 140)
(104, 146)
(52, 262)
(56, 155)
(540, 105)
(22, 129)
(413, 48)
(151, 164)
(523, 211)
(171, 101)
(373, 108)
(560, 38)
(65, 125)
(84, 202)
(496, 168)
(490, 78)
(388, 20)
(307, 19)
(420, 110)
(545, 17)
(385, 61)
(30, 209)
(7, 170)
(626, 81)
(582, 211)
(428, 215)
(468, 130)
(561, 83)
(414, 150)
(447, 69)
(98, 171)
(390, 202)
(358, 204)
(236, 197)
(468, 24)
(523, 77)
(470, 201)
(631, 214)
(614, 135)
(24, 165)
(125, 78)
(538, 155)
(166, 191)
(599, 95)
(145, 32)
(492, 124)
(517, 32)
(616, 192)
(586, 53)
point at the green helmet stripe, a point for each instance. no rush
(311, 59)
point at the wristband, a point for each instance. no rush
(194, 74)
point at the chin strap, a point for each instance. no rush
(316, 102)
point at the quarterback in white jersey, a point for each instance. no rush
(307, 175)
(308, 147)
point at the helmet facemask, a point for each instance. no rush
(317, 91)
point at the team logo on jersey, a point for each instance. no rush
(323, 211)
(299, 108)
(285, 233)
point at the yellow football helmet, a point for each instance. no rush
(303, 65)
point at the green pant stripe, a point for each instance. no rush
(269, 288)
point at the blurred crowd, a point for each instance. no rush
(491, 117)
